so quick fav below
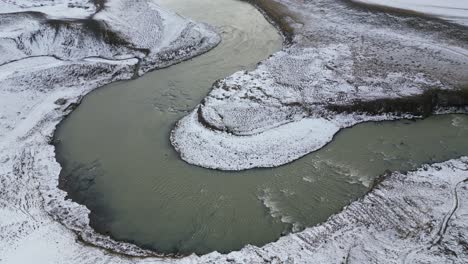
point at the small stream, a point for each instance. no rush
(117, 159)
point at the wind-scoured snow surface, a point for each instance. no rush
(451, 10)
(344, 65)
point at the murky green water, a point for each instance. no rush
(117, 159)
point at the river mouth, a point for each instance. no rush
(117, 159)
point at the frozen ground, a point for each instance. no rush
(344, 65)
(48, 65)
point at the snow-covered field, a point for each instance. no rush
(53, 8)
(451, 10)
(47, 66)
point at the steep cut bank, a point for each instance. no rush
(344, 65)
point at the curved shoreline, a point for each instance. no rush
(143, 110)
(23, 167)
(325, 76)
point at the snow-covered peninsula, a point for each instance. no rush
(342, 65)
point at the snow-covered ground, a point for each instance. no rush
(344, 66)
(452, 10)
(52, 8)
(47, 66)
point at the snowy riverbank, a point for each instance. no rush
(343, 66)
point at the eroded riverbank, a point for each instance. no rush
(345, 65)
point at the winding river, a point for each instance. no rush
(117, 159)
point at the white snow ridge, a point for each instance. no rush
(52, 53)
